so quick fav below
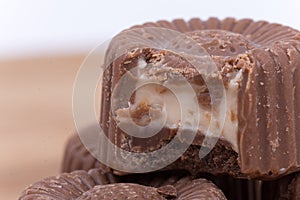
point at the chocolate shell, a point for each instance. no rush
(267, 113)
(184, 189)
(128, 191)
(77, 157)
(287, 187)
(67, 185)
(97, 184)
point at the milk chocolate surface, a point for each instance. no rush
(264, 143)
(97, 184)
(67, 185)
(287, 187)
(77, 157)
(128, 191)
(184, 189)
(257, 155)
(233, 188)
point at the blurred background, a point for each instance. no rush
(42, 45)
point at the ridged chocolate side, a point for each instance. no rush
(268, 96)
(231, 187)
(77, 157)
(241, 25)
(212, 23)
(295, 53)
(235, 188)
(287, 187)
(67, 185)
(98, 184)
(252, 103)
(128, 191)
(196, 24)
(105, 104)
(198, 189)
(227, 24)
(269, 140)
(184, 189)
(294, 188)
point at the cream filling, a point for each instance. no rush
(156, 104)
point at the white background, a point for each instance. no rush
(56, 26)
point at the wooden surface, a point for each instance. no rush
(35, 118)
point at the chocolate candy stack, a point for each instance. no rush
(242, 138)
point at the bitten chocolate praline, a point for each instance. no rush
(259, 63)
(259, 66)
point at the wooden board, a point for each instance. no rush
(35, 118)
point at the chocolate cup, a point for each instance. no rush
(77, 157)
(184, 189)
(122, 191)
(268, 98)
(284, 187)
(68, 185)
(198, 189)
(287, 187)
(97, 184)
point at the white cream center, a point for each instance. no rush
(155, 102)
